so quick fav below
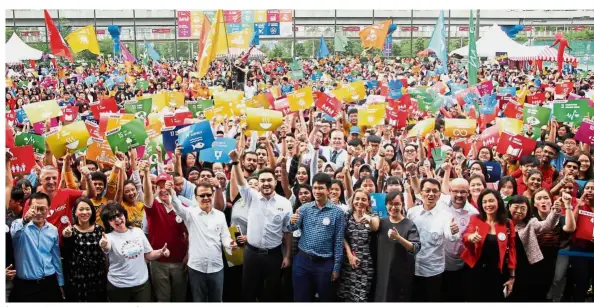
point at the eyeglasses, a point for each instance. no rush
(435, 191)
(209, 195)
(115, 216)
(410, 151)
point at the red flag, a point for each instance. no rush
(32, 63)
(57, 44)
(247, 55)
(54, 62)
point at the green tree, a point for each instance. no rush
(353, 47)
(396, 49)
(106, 45)
(264, 49)
(64, 27)
(299, 49)
(420, 44)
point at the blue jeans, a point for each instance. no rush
(310, 277)
(206, 287)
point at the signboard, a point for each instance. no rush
(183, 24)
(161, 30)
(273, 16)
(267, 28)
(463, 29)
(502, 58)
(232, 16)
(408, 29)
(351, 29)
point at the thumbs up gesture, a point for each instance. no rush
(67, 232)
(453, 226)
(475, 237)
(393, 233)
(164, 251)
(295, 217)
(103, 242)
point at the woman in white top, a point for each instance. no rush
(128, 249)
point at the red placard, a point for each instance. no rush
(23, 160)
(514, 145)
(104, 106)
(563, 88)
(463, 29)
(99, 31)
(396, 118)
(93, 129)
(514, 110)
(484, 119)
(489, 137)
(176, 119)
(408, 29)
(273, 16)
(69, 114)
(9, 137)
(232, 16)
(286, 15)
(10, 117)
(485, 88)
(282, 105)
(536, 98)
(329, 105)
(585, 224)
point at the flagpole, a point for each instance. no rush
(449, 26)
(335, 33)
(175, 32)
(411, 34)
(134, 19)
(294, 34)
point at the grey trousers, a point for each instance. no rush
(170, 281)
(558, 286)
(206, 287)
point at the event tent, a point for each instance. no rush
(496, 40)
(17, 51)
(544, 53)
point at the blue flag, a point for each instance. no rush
(219, 152)
(438, 42)
(255, 39)
(323, 51)
(152, 52)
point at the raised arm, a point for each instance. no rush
(178, 161)
(236, 169)
(146, 185)
(9, 179)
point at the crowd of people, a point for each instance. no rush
(302, 201)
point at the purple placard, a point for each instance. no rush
(585, 132)
(184, 24)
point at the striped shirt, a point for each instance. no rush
(322, 231)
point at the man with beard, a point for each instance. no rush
(456, 203)
(571, 168)
(249, 164)
(435, 227)
(268, 219)
(165, 228)
(550, 152)
(61, 200)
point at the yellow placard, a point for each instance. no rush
(236, 256)
(233, 97)
(259, 101)
(260, 16)
(301, 99)
(69, 138)
(351, 93)
(263, 120)
(222, 111)
(373, 115)
(124, 118)
(509, 124)
(176, 99)
(215, 89)
(155, 122)
(159, 101)
(42, 111)
(422, 128)
(460, 128)
(276, 92)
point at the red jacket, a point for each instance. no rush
(472, 252)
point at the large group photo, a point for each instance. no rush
(293, 155)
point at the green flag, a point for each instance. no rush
(37, 141)
(197, 107)
(129, 135)
(473, 59)
(141, 108)
(340, 43)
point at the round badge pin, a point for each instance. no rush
(501, 236)
(326, 221)
(64, 219)
(178, 219)
(7, 228)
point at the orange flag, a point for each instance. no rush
(374, 36)
(205, 29)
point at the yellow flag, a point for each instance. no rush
(460, 128)
(375, 35)
(373, 115)
(83, 39)
(241, 39)
(300, 100)
(216, 44)
(422, 128)
(263, 120)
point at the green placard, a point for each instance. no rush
(428, 104)
(296, 75)
(439, 156)
(150, 151)
(37, 141)
(141, 108)
(572, 111)
(535, 115)
(197, 107)
(142, 85)
(129, 135)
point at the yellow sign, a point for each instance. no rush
(236, 256)
(176, 99)
(260, 16)
(352, 93)
(221, 110)
(100, 151)
(301, 99)
(373, 115)
(42, 111)
(460, 128)
(509, 124)
(263, 120)
(422, 128)
(259, 101)
(231, 96)
(240, 39)
(159, 101)
(69, 138)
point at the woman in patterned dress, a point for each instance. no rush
(356, 276)
(86, 281)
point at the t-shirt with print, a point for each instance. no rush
(135, 213)
(98, 204)
(60, 209)
(126, 258)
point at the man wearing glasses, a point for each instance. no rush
(435, 227)
(456, 203)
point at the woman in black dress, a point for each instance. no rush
(397, 244)
(87, 279)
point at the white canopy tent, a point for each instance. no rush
(495, 40)
(17, 50)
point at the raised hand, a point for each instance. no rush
(453, 226)
(214, 182)
(295, 217)
(393, 234)
(164, 251)
(475, 237)
(234, 155)
(178, 152)
(103, 242)
(67, 232)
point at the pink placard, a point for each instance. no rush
(585, 132)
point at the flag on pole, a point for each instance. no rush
(57, 44)
(152, 52)
(340, 43)
(323, 51)
(438, 42)
(473, 60)
(374, 36)
(215, 43)
(128, 57)
(203, 35)
(255, 39)
(83, 39)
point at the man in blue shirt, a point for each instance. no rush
(321, 245)
(38, 266)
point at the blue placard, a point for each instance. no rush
(109, 83)
(395, 89)
(378, 204)
(493, 171)
(507, 91)
(329, 118)
(247, 16)
(273, 28)
(234, 27)
(120, 79)
(489, 104)
(90, 80)
(219, 152)
(372, 84)
(455, 88)
(197, 137)
(170, 137)
(261, 28)
(21, 116)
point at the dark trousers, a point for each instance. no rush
(206, 287)
(261, 274)
(311, 276)
(42, 290)
(582, 269)
(450, 289)
(136, 294)
(427, 289)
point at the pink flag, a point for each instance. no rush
(128, 57)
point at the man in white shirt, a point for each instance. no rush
(435, 227)
(461, 210)
(208, 231)
(268, 219)
(335, 153)
(250, 90)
